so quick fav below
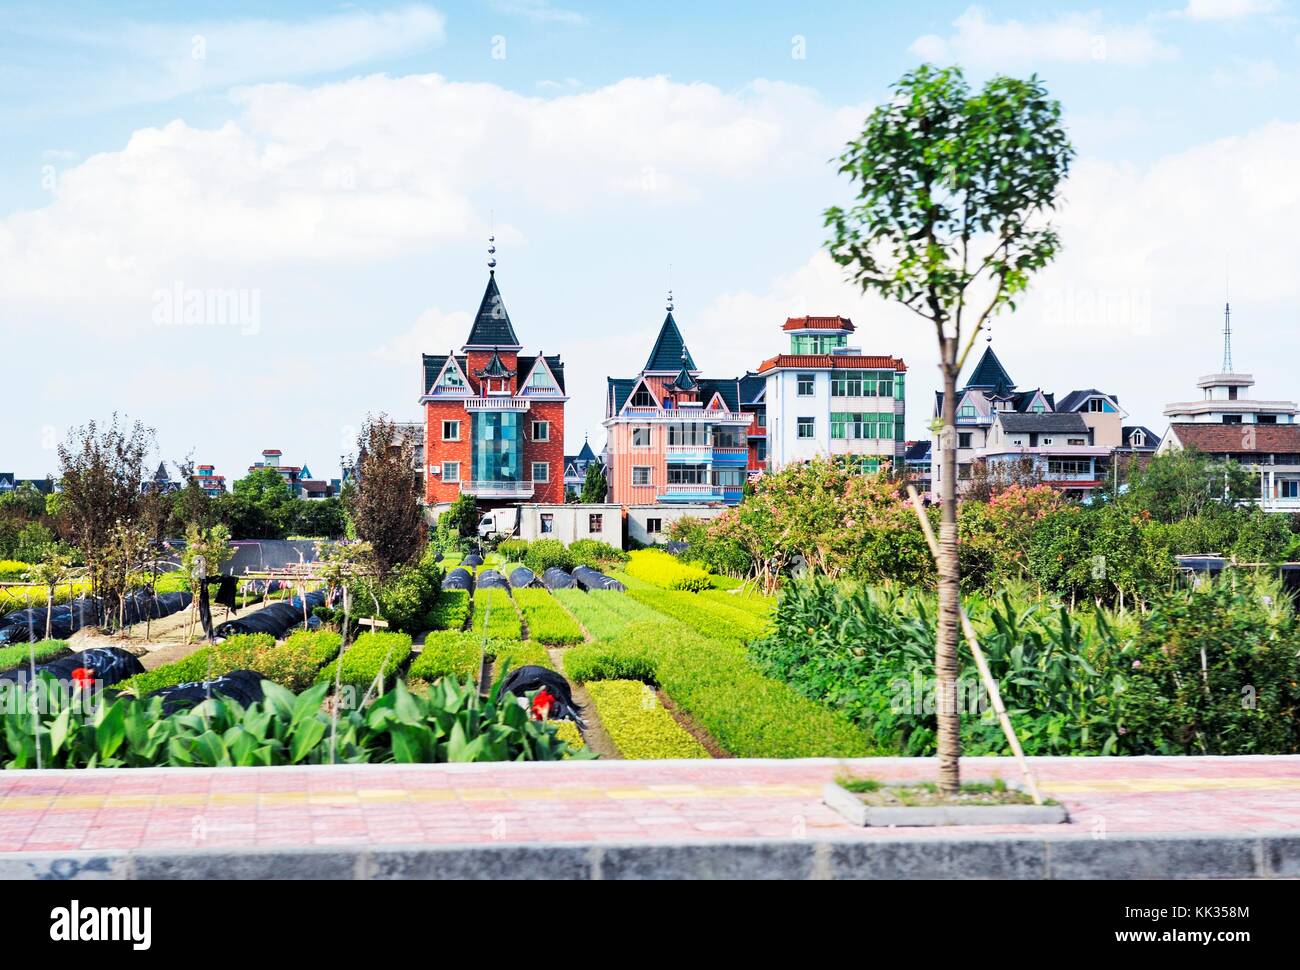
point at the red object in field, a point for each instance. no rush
(542, 702)
(83, 677)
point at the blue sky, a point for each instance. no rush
(338, 169)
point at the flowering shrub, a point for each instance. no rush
(658, 567)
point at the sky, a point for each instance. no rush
(242, 223)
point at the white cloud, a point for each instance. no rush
(433, 333)
(151, 62)
(539, 11)
(1247, 74)
(1069, 38)
(1227, 9)
(363, 169)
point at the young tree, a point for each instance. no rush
(1182, 484)
(594, 486)
(953, 189)
(54, 569)
(100, 476)
(386, 503)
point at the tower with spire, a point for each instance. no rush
(494, 416)
(675, 436)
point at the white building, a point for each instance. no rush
(827, 398)
(1224, 423)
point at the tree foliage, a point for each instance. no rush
(386, 505)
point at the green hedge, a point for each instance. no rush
(638, 725)
(237, 653)
(21, 653)
(708, 617)
(501, 621)
(451, 610)
(750, 715)
(548, 621)
(447, 653)
(363, 660)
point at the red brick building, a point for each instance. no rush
(494, 418)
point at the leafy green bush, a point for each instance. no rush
(638, 725)
(368, 656)
(447, 653)
(658, 567)
(21, 653)
(406, 600)
(294, 663)
(513, 550)
(548, 621)
(451, 723)
(545, 553)
(451, 611)
(495, 616)
(594, 553)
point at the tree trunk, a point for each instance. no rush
(49, 613)
(945, 653)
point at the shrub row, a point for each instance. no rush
(541, 554)
(638, 725)
(710, 618)
(447, 653)
(239, 652)
(368, 656)
(667, 572)
(548, 621)
(518, 653)
(451, 611)
(751, 602)
(20, 654)
(495, 615)
(750, 715)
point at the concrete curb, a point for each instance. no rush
(1259, 856)
(843, 801)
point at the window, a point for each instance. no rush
(451, 431)
(1266, 419)
(548, 522)
(760, 450)
(727, 438)
(1084, 441)
(1047, 441)
(541, 431)
(654, 526)
(963, 439)
(806, 428)
(1137, 439)
(804, 385)
(1038, 408)
(641, 437)
(1232, 419)
(451, 377)
(643, 398)
(640, 474)
(966, 411)
(451, 471)
(694, 435)
(963, 471)
(541, 471)
(1096, 404)
(596, 523)
(729, 477)
(1288, 488)
(540, 378)
(687, 474)
(1069, 468)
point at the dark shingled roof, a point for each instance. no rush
(729, 389)
(751, 386)
(492, 324)
(620, 389)
(433, 367)
(553, 361)
(917, 450)
(989, 373)
(666, 357)
(1064, 422)
(1152, 439)
(1076, 399)
(683, 381)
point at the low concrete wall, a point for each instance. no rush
(1260, 856)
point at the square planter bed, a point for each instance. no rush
(912, 804)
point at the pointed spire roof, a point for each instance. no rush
(492, 326)
(669, 353)
(683, 381)
(586, 454)
(989, 373)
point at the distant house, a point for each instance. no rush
(206, 478)
(46, 486)
(161, 482)
(575, 467)
(916, 462)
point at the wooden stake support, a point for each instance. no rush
(990, 684)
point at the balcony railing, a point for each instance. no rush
(497, 489)
(497, 404)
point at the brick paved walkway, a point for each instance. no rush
(613, 801)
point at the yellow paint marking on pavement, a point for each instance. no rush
(1170, 785)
